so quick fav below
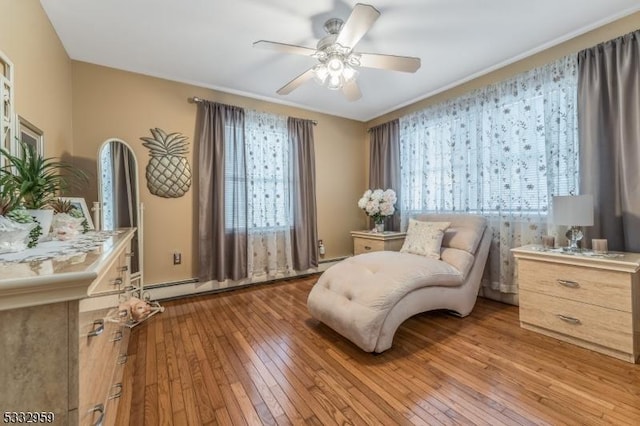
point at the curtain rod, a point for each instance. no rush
(197, 100)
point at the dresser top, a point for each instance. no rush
(41, 278)
(616, 261)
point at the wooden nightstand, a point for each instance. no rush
(367, 241)
(590, 301)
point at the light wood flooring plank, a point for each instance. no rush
(255, 356)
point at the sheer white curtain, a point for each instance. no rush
(501, 151)
(269, 204)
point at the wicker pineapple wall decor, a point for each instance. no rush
(168, 170)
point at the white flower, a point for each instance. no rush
(378, 203)
(377, 194)
(362, 202)
(386, 209)
(390, 196)
(373, 207)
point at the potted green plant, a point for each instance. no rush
(37, 181)
(17, 229)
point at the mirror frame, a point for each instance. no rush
(140, 208)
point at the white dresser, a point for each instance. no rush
(56, 359)
(587, 300)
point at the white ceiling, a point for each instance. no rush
(209, 42)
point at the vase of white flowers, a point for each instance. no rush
(378, 204)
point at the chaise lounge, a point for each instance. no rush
(365, 298)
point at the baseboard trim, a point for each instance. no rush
(192, 287)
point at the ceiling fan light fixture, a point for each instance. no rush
(334, 73)
(320, 73)
(335, 82)
(335, 65)
(349, 73)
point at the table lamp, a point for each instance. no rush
(574, 211)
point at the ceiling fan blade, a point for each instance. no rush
(282, 47)
(351, 91)
(361, 19)
(389, 62)
(296, 82)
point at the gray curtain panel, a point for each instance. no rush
(609, 134)
(384, 164)
(125, 209)
(304, 239)
(222, 217)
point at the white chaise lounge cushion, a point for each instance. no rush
(354, 296)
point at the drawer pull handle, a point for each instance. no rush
(118, 393)
(117, 336)
(367, 247)
(570, 320)
(98, 409)
(570, 284)
(98, 328)
(117, 281)
(123, 269)
(122, 359)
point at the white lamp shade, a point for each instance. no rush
(573, 210)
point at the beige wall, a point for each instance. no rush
(42, 72)
(109, 103)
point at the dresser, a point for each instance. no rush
(590, 301)
(367, 241)
(56, 359)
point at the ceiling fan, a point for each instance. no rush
(337, 62)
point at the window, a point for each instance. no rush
(266, 152)
(106, 187)
(7, 116)
(506, 148)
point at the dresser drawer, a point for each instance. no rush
(606, 327)
(361, 245)
(609, 289)
(98, 356)
(116, 386)
(113, 279)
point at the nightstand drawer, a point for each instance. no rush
(610, 289)
(366, 245)
(606, 327)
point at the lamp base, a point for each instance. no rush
(574, 235)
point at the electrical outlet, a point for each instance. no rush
(177, 258)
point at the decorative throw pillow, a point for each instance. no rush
(424, 238)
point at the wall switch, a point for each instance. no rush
(177, 258)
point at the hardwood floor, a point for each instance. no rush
(255, 356)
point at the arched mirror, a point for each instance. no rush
(119, 196)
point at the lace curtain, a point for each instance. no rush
(501, 151)
(268, 188)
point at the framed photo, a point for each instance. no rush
(29, 135)
(80, 204)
